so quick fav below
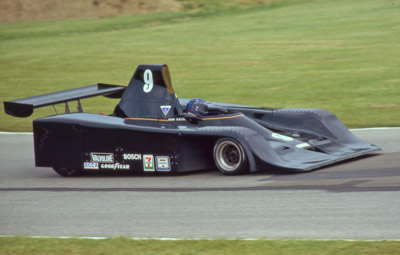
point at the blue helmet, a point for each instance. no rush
(197, 106)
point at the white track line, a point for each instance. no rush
(209, 239)
(16, 133)
(355, 129)
(376, 128)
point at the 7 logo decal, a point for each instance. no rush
(148, 163)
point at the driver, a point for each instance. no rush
(197, 106)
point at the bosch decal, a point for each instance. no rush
(148, 163)
(163, 163)
(102, 157)
(91, 165)
(132, 156)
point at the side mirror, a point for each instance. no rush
(191, 117)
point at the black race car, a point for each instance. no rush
(150, 132)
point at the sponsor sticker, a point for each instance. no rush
(303, 145)
(282, 137)
(176, 119)
(163, 163)
(165, 109)
(148, 163)
(132, 156)
(116, 166)
(91, 165)
(102, 157)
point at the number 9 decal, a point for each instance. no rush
(148, 81)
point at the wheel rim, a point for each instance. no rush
(228, 155)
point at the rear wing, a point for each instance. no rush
(24, 107)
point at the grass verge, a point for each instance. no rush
(117, 246)
(341, 56)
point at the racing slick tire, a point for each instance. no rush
(68, 172)
(230, 157)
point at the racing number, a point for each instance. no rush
(148, 81)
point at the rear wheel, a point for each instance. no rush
(230, 157)
(68, 172)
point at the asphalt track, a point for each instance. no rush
(358, 199)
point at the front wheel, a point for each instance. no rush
(68, 172)
(230, 157)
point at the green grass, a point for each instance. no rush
(117, 246)
(342, 56)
